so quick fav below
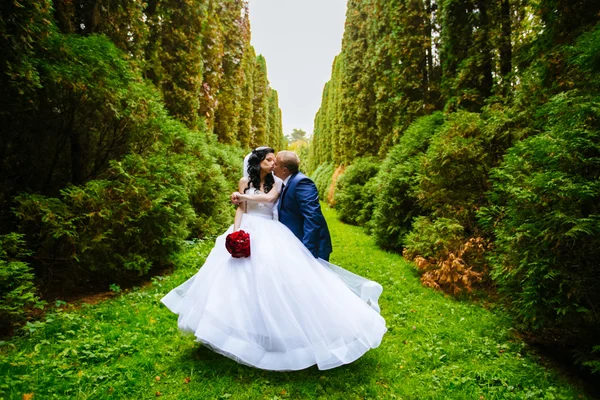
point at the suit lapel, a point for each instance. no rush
(285, 189)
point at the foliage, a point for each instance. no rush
(546, 221)
(450, 184)
(328, 144)
(90, 109)
(134, 217)
(235, 27)
(322, 177)
(208, 171)
(275, 136)
(395, 204)
(174, 61)
(119, 226)
(296, 135)
(353, 202)
(451, 178)
(332, 190)
(302, 149)
(230, 161)
(445, 258)
(17, 290)
(246, 99)
(260, 103)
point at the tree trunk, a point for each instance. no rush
(487, 80)
(428, 72)
(505, 43)
(77, 170)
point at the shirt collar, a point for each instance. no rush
(286, 180)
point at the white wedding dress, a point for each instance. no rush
(279, 309)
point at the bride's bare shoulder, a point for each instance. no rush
(243, 184)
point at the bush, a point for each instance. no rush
(370, 191)
(17, 290)
(117, 227)
(208, 171)
(452, 178)
(322, 177)
(395, 205)
(230, 160)
(446, 259)
(545, 217)
(353, 202)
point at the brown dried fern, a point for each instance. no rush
(454, 270)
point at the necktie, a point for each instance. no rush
(283, 186)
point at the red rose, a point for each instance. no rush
(238, 244)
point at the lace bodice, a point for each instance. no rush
(263, 209)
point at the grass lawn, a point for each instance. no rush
(129, 347)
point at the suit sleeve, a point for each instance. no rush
(308, 199)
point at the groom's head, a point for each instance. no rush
(286, 164)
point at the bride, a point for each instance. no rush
(281, 308)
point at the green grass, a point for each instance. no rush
(129, 347)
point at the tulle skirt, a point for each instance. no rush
(279, 309)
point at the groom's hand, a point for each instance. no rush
(235, 199)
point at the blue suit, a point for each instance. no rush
(300, 211)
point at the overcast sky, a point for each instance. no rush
(299, 39)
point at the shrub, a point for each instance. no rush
(209, 172)
(117, 227)
(446, 259)
(395, 205)
(322, 177)
(353, 203)
(545, 217)
(370, 191)
(17, 290)
(230, 160)
(452, 178)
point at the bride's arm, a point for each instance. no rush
(241, 208)
(270, 197)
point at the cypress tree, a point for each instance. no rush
(174, 61)
(236, 32)
(275, 132)
(247, 98)
(260, 103)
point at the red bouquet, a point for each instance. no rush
(238, 244)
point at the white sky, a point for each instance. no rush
(299, 39)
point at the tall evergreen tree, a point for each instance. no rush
(260, 103)
(236, 31)
(359, 98)
(175, 62)
(247, 98)
(274, 127)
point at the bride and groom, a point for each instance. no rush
(298, 204)
(285, 307)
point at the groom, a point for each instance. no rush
(299, 207)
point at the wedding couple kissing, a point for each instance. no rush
(284, 307)
(296, 197)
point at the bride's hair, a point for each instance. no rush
(256, 157)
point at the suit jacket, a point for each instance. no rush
(300, 211)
